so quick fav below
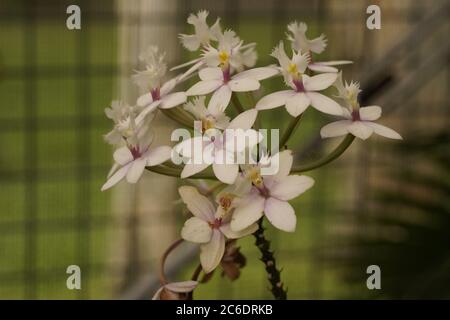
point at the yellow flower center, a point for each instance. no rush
(293, 70)
(223, 57)
(255, 177)
(207, 124)
(226, 200)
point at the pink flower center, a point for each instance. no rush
(355, 116)
(156, 95)
(135, 152)
(264, 191)
(216, 223)
(299, 86)
(226, 75)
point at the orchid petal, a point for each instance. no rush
(173, 100)
(319, 82)
(158, 155)
(324, 104)
(384, 131)
(204, 87)
(291, 187)
(258, 73)
(244, 121)
(370, 113)
(211, 253)
(136, 170)
(123, 156)
(243, 85)
(230, 234)
(280, 214)
(197, 204)
(211, 74)
(226, 173)
(274, 100)
(219, 100)
(249, 211)
(360, 129)
(196, 230)
(335, 129)
(296, 104)
(116, 177)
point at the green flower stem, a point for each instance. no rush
(340, 149)
(289, 131)
(178, 117)
(237, 104)
(174, 171)
(273, 273)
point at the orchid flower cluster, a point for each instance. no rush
(245, 192)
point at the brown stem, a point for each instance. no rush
(162, 276)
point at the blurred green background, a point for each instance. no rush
(55, 84)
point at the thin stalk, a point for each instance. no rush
(340, 149)
(162, 275)
(273, 273)
(290, 130)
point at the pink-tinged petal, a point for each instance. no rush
(136, 170)
(150, 108)
(190, 147)
(158, 155)
(258, 73)
(335, 129)
(219, 100)
(144, 100)
(168, 87)
(114, 168)
(244, 121)
(204, 87)
(274, 100)
(173, 100)
(321, 68)
(370, 113)
(280, 214)
(182, 287)
(199, 205)
(290, 187)
(285, 160)
(243, 85)
(211, 74)
(116, 177)
(226, 173)
(196, 230)
(249, 210)
(296, 104)
(360, 129)
(324, 104)
(230, 234)
(190, 169)
(384, 131)
(211, 253)
(123, 156)
(319, 82)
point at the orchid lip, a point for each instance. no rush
(299, 87)
(216, 223)
(356, 116)
(135, 152)
(156, 95)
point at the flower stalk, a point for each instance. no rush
(267, 257)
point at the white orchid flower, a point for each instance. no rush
(203, 33)
(150, 80)
(209, 227)
(175, 290)
(121, 114)
(210, 117)
(269, 195)
(220, 82)
(219, 148)
(297, 35)
(358, 121)
(304, 88)
(132, 159)
(230, 54)
(360, 124)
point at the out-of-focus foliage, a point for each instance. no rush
(406, 230)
